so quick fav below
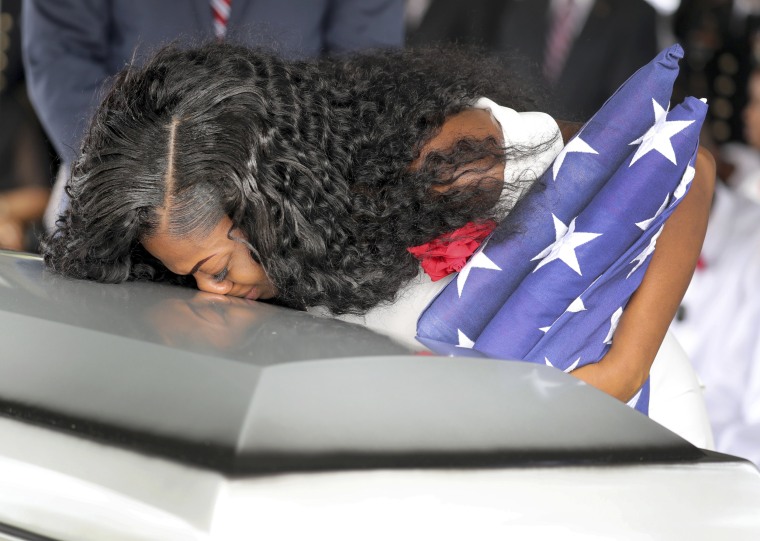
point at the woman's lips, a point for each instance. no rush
(253, 294)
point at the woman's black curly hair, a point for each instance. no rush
(311, 160)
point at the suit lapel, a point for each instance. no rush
(587, 42)
(597, 21)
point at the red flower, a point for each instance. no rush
(450, 252)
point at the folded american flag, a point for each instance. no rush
(551, 282)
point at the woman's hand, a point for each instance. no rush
(24, 204)
(18, 207)
(641, 330)
(11, 235)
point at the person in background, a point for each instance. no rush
(579, 51)
(719, 318)
(71, 47)
(583, 49)
(25, 157)
(742, 161)
(721, 39)
(718, 323)
(472, 23)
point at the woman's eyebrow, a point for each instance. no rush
(199, 263)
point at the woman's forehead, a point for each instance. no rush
(182, 254)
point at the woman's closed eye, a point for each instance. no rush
(221, 275)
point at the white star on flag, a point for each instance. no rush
(576, 306)
(614, 320)
(464, 342)
(649, 250)
(575, 145)
(566, 370)
(632, 402)
(658, 136)
(545, 329)
(563, 248)
(644, 225)
(688, 176)
(478, 261)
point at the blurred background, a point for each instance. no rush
(28, 162)
(606, 41)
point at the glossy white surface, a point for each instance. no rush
(622, 503)
(69, 489)
(285, 390)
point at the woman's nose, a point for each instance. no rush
(208, 284)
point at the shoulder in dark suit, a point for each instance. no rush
(619, 36)
(72, 46)
(475, 22)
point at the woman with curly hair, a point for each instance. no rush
(307, 182)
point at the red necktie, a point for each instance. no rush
(558, 41)
(220, 9)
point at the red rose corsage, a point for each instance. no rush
(450, 252)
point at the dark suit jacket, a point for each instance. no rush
(72, 46)
(618, 38)
(474, 22)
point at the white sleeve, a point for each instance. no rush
(530, 131)
(676, 400)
